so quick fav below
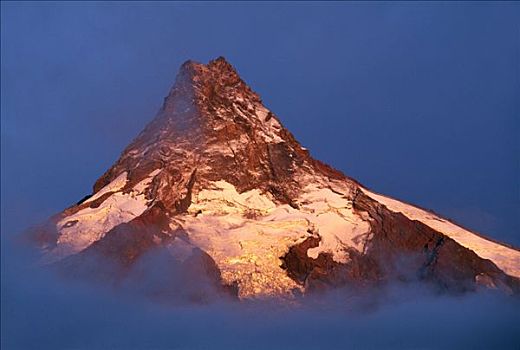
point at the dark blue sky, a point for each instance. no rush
(419, 101)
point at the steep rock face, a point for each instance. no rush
(217, 185)
(211, 121)
(410, 249)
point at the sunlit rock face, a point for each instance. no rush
(217, 184)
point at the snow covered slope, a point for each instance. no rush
(507, 259)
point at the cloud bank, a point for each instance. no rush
(40, 310)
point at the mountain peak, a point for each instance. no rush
(218, 69)
(218, 182)
(213, 122)
(220, 62)
(206, 86)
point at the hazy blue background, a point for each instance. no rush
(418, 101)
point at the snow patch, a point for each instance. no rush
(334, 219)
(223, 198)
(117, 184)
(81, 229)
(268, 129)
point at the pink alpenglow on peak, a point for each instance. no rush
(221, 189)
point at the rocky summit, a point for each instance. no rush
(215, 195)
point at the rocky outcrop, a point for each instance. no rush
(410, 250)
(323, 272)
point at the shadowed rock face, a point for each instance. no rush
(410, 250)
(219, 195)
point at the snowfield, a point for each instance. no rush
(81, 229)
(247, 233)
